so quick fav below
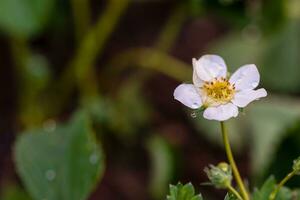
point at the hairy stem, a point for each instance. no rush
(231, 189)
(236, 173)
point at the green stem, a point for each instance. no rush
(279, 186)
(232, 190)
(236, 173)
(82, 17)
(80, 71)
(30, 114)
(150, 59)
(172, 28)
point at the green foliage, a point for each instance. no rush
(268, 121)
(264, 192)
(183, 192)
(162, 162)
(231, 11)
(286, 194)
(64, 164)
(195, 7)
(220, 176)
(13, 192)
(99, 108)
(264, 123)
(285, 153)
(24, 18)
(187, 192)
(296, 165)
(230, 196)
(133, 107)
(37, 71)
(273, 14)
(281, 55)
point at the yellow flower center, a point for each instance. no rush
(219, 90)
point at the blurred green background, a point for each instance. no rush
(86, 98)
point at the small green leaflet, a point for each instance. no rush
(183, 192)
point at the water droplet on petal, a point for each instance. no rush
(193, 114)
(93, 158)
(50, 175)
(195, 105)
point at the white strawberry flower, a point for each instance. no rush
(212, 90)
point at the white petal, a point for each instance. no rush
(188, 95)
(246, 77)
(243, 98)
(196, 80)
(209, 67)
(221, 113)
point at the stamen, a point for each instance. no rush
(219, 90)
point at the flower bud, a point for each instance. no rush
(296, 166)
(220, 175)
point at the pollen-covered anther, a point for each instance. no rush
(219, 90)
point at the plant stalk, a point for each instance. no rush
(82, 17)
(231, 189)
(236, 173)
(282, 182)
